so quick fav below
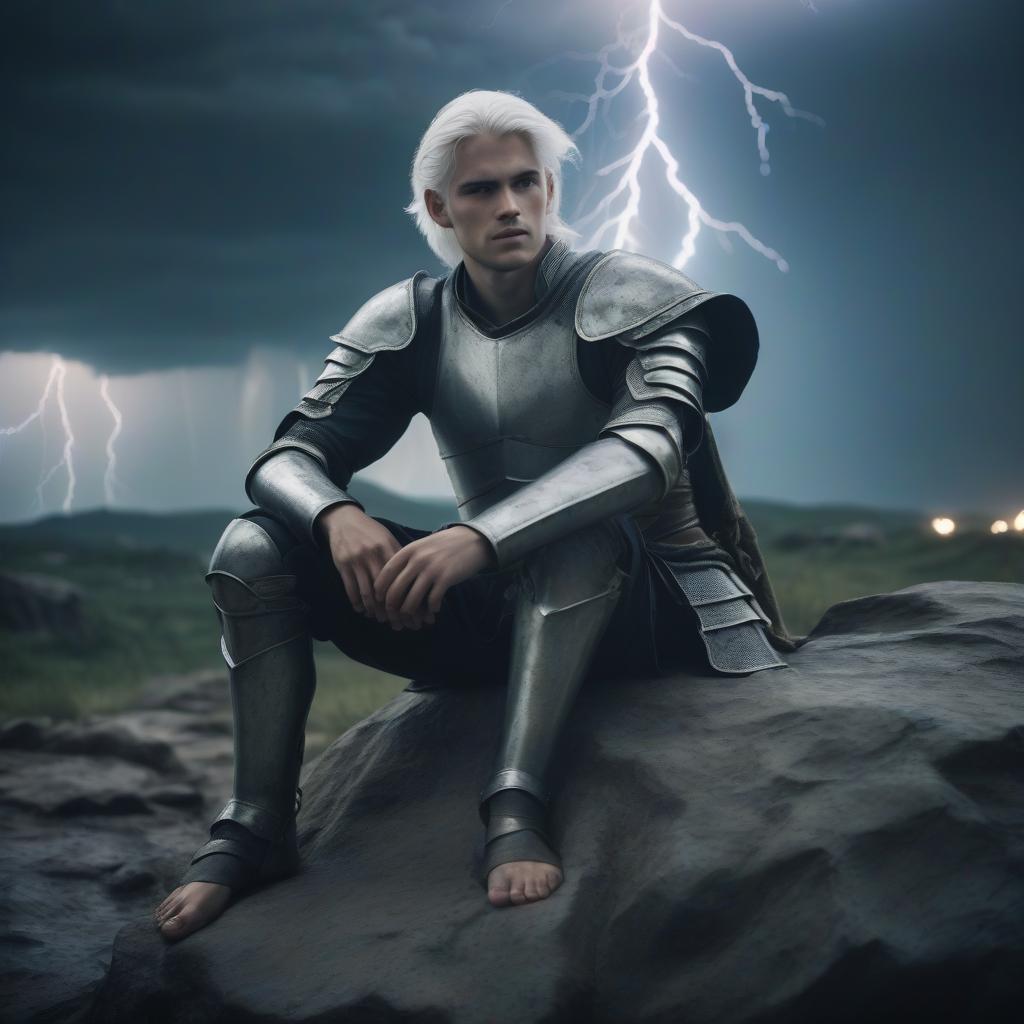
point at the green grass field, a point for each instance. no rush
(148, 612)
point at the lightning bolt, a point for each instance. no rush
(110, 475)
(619, 225)
(57, 374)
(54, 383)
(56, 369)
(54, 387)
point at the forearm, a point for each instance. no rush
(605, 478)
(292, 485)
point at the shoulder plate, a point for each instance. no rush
(631, 297)
(385, 323)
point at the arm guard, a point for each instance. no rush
(294, 487)
(602, 479)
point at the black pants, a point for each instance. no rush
(470, 641)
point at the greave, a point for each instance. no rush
(269, 653)
(567, 592)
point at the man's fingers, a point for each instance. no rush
(365, 583)
(414, 607)
(395, 597)
(392, 567)
(375, 608)
(351, 587)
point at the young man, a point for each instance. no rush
(567, 393)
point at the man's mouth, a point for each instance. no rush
(510, 233)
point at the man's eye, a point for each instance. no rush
(487, 188)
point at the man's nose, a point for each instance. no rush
(508, 206)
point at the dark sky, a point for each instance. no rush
(196, 195)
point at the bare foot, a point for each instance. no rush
(189, 907)
(522, 881)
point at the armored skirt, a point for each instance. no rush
(469, 643)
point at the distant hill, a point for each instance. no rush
(192, 532)
(773, 519)
(144, 608)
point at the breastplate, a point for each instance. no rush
(507, 409)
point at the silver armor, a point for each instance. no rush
(508, 410)
(294, 486)
(269, 652)
(539, 465)
(533, 455)
(566, 594)
(292, 489)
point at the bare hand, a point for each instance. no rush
(415, 579)
(360, 547)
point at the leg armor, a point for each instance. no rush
(268, 649)
(566, 594)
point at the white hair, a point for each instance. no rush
(483, 112)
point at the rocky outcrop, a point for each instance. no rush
(33, 602)
(96, 818)
(841, 840)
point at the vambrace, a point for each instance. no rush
(601, 480)
(673, 365)
(292, 484)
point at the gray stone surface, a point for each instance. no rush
(33, 602)
(842, 840)
(96, 818)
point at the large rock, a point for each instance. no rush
(33, 602)
(839, 841)
(95, 819)
(842, 840)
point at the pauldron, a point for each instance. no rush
(631, 297)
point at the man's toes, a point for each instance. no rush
(166, 902)
(168, 909)
(497, 887)
(530, 889)
(177, 926)
(517, 891)
(543, 889)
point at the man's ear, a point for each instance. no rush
(551, 190)
(435, 207)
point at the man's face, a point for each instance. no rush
(498, 185)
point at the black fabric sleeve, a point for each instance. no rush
(364, 424)
(377, 405)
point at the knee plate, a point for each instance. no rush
(254, 593)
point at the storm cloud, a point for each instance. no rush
(185, 184)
